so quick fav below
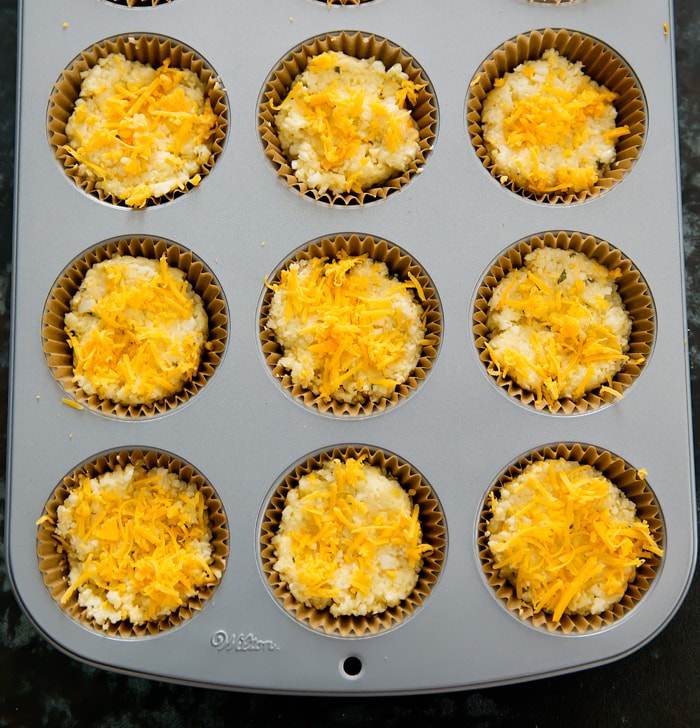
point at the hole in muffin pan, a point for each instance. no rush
(633, 291)
(150, 50)
(59, 355)
(363, 46)
(431, 519)
(400, 265)
(602, 64)
(53, 559)
(138, 3)
(344, 2)
(551, 2)
(352, 667)
(627, 479)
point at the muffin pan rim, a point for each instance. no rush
(406, 430)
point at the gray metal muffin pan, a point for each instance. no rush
(242, 432)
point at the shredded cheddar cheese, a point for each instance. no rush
(349, 539)
(558, 326)
(566, 538)
(138, 544)
(550, 127)
(348, 329)
(140, 132)
(345, 123)
(137, 330)
(71, 403)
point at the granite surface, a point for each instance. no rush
(657, 686)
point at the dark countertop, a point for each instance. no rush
(657, 685)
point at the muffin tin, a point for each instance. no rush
(244, 432)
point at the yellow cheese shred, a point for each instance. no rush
(138, 541)
(561, 533)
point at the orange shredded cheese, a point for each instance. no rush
(349, 330)
(140, 132)
(558, 326)
(345, 124)
(137, 330)
(550, 127)
(138, 544)
(349, 539)
(566, 538)
(71, 403)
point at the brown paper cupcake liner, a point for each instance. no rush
(632, 289)
(432, 523)
(400, 264)
(148, 49)
(359, 45)
(53, 560)
(59, 355)
(600, 63)
(628, 480)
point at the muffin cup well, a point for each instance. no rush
(363, 46)
(59, 355)
(600, 63)
(399, 264)
(623, 476)
(430, 517)
(53, 560)
(631, 287)
(147, 49)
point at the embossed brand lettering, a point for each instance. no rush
(222, 641)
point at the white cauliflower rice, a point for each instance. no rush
(140, 132)
(137, 330)
(345, 125)
(349, 540)
(566, 538)
(549, 127)
(138, 544)
(557, 325)
(349, 330)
